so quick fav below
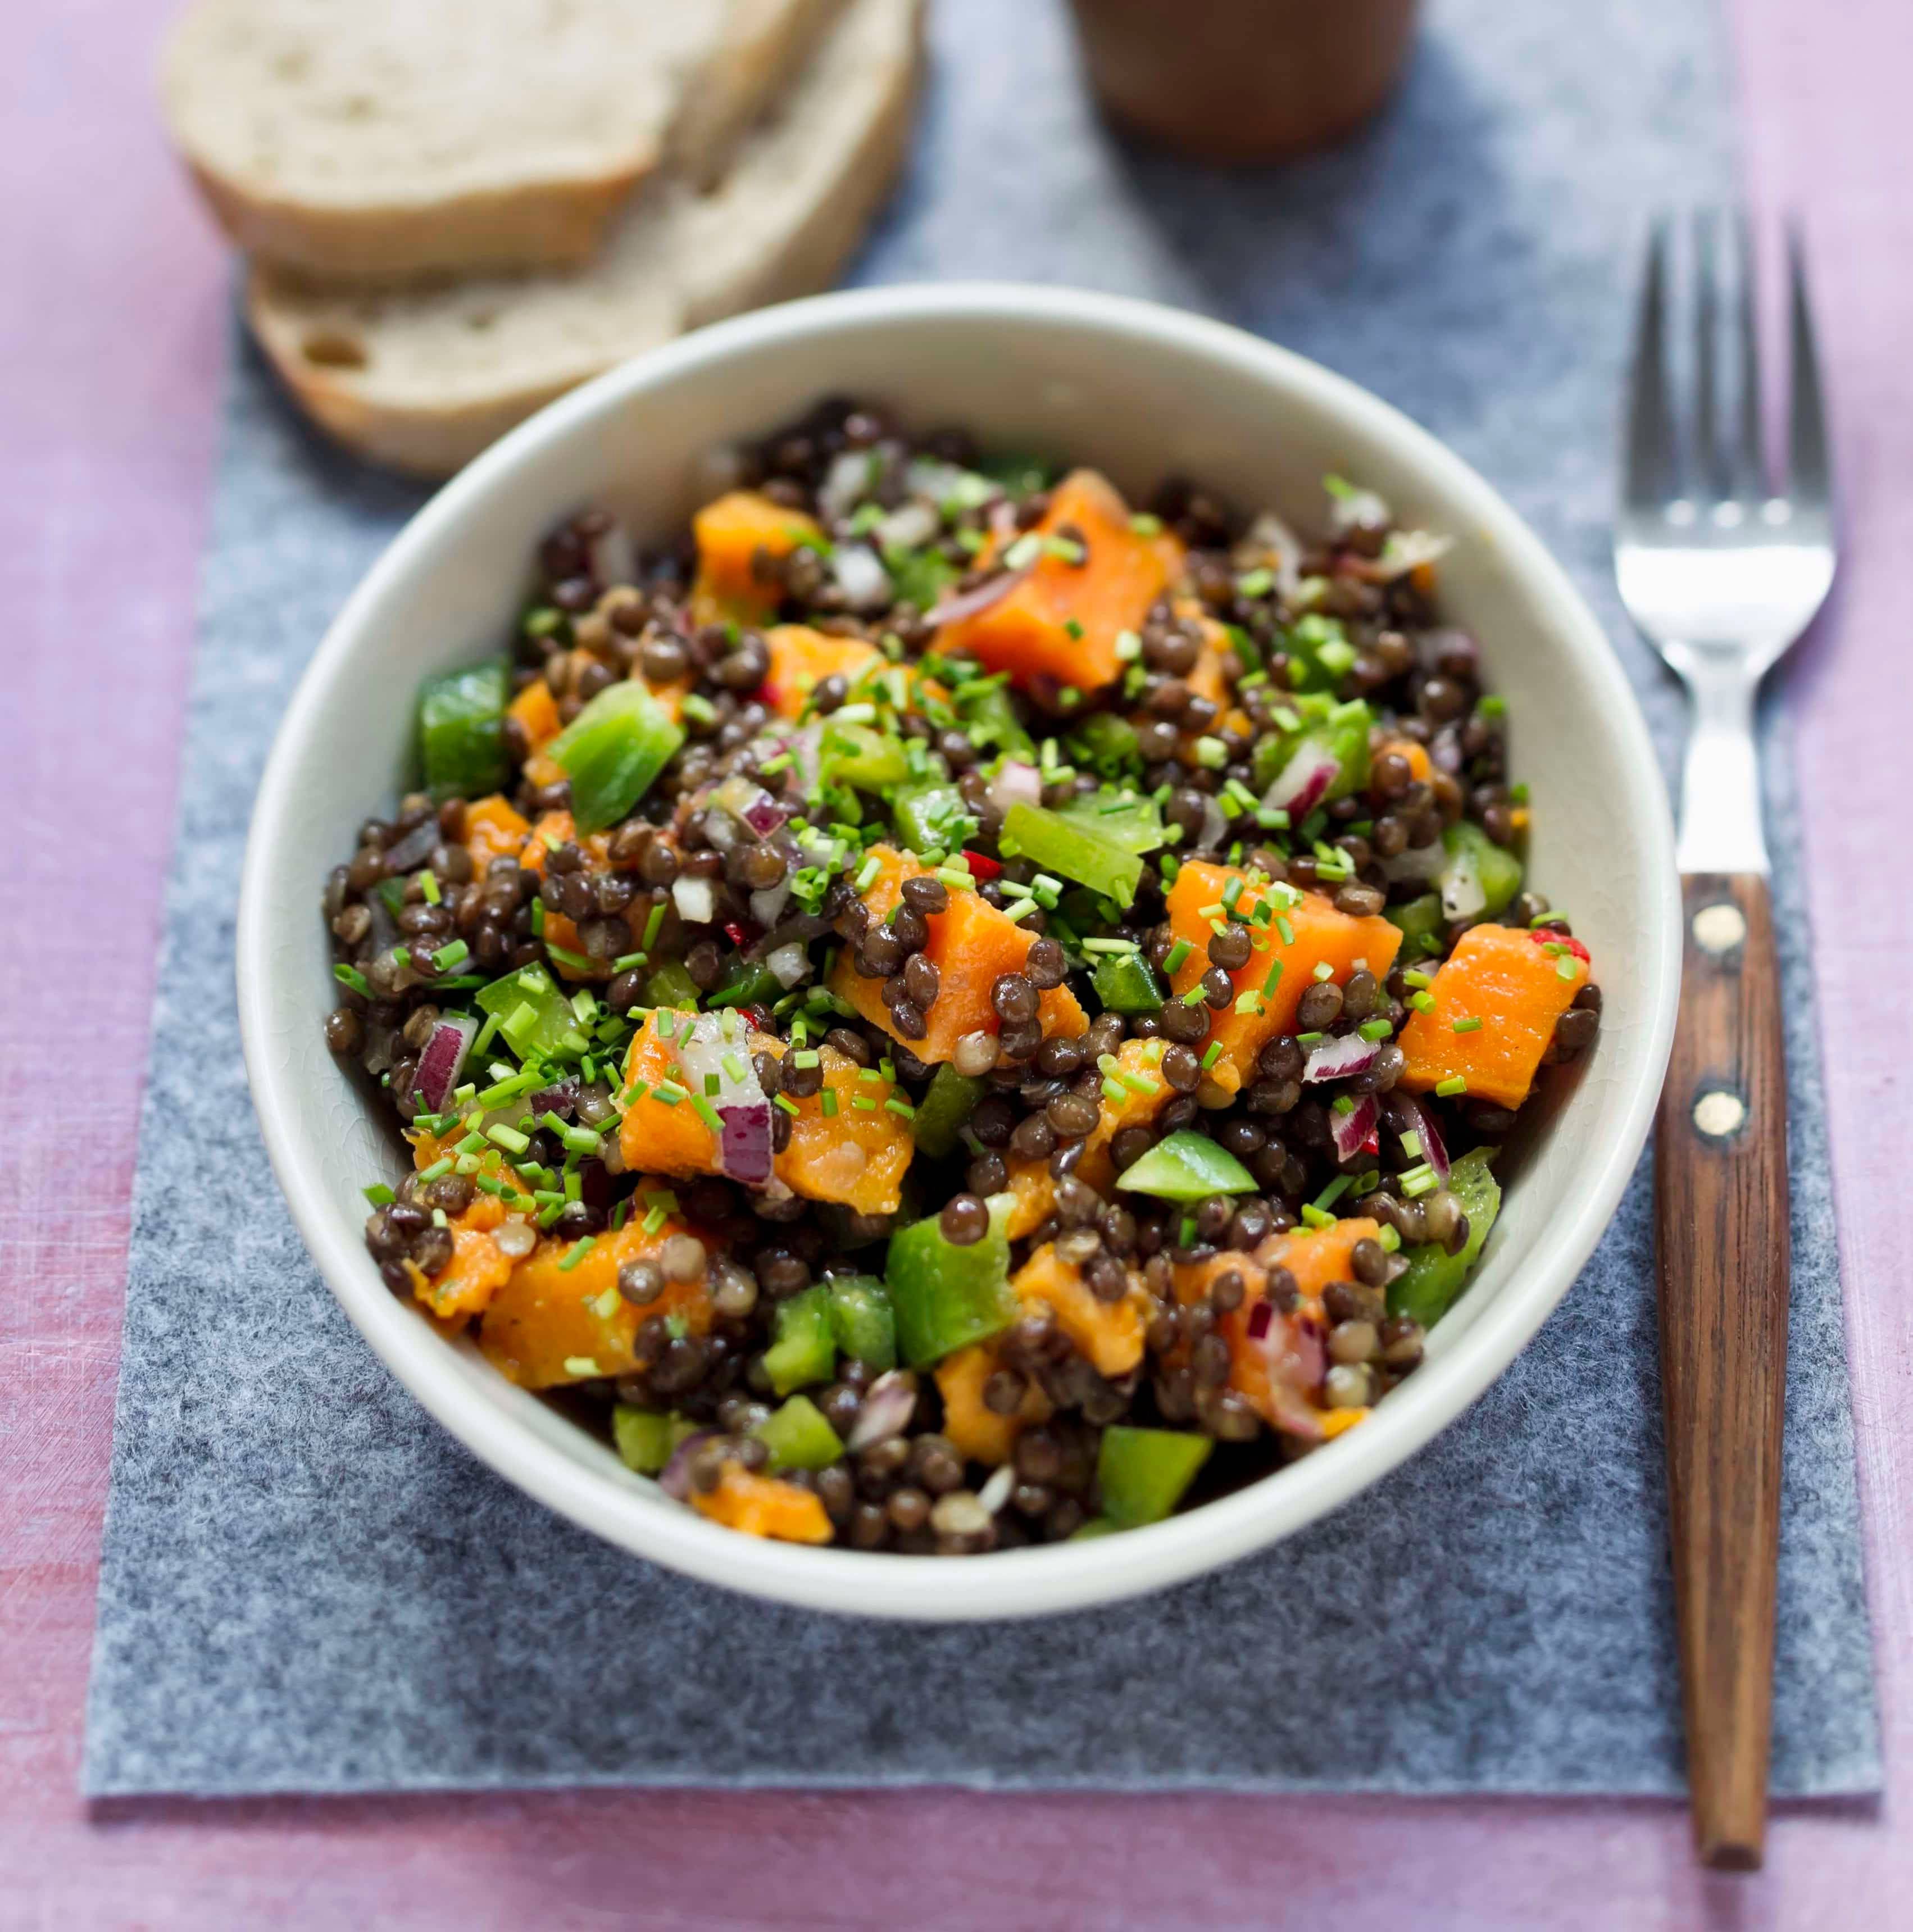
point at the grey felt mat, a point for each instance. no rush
(307, 1586)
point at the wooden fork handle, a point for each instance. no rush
(1721, 1222)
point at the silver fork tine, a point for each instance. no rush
(1650, 461)
(1710, 468)
(1750, 477)
(1808, 481)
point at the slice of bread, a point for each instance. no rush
(424, 379)
(382, 140)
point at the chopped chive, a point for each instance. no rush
(508, 1138)
(1113, 1090)
(784, 1101)
(1333, 1192)
(1194, 997)
(580, 1249)
(863, 1103)
(428, 884)
(447, 957)
(894, 1106)
(350, 975)
(956, 877)
(1176, 954)
(653, 925)
(1390, 1239)
(1313, 1217)
(828, 1103)
(1423, 1003)
(379, 1195)
(437, 1168)
(733, 1064)
(670, 1093)
(1287, 931)
(1211, 1054)
(706, 1113)
(1467, 1026)
(580, 1140)
(1449, 1089)
(1142, 1083)
(1186, 1234)
(1417, 978)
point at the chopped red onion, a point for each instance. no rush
(744, 1150)
(1423, 863)
(1294, 1347)
(910, 528)
(995, 1493)
(767, 902)
(1215, 827)
(1462, 893)
(1336, 1059)
(1304, 781)
(1016, 783)
(675, 1478)
(1269, 545)
(788, 963)
(963, 604)
(1354, 1132)
(886, 1411)
(1435, 1149)
(847, 483)
(749, 804)
(443, 1059)
(696, 903)
(1405, 550)
(863, 581)
(613, 557)
(744, 1147)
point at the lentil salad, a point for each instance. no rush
(943, 1013)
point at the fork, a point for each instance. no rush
(1721, 572)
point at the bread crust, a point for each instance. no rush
(312, 340)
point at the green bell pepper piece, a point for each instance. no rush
(946, 1297)
(745, 983)
(461, 730)
(863, 1320)
(1319, 652)
(798, 1438)
(805, 1349)
(1340, 731)
(1125, 984)
(918, 576)
(855, 754)
(1419, 919)
(989, 717)
(671, 985)
(1427, 1290)
(1106, 743)
(1142, 1473)
(1187, 1166)
(1068, 846)
(1121, 818)
(931, 816)
(951, 1100)
(645, 1439)
(613, 750)
(532, 1015)
(1495, 866)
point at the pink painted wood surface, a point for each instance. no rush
(110, 328)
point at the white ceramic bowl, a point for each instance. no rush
(1140, 392)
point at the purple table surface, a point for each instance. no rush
(110, 350)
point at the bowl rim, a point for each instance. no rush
(1056, 1577)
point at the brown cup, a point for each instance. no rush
(1243, 80)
